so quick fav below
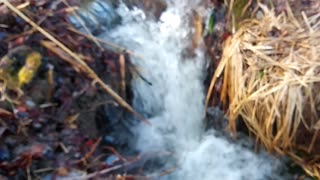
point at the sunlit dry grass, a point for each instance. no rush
(271, 69)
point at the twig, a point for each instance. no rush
(102, 172)
(28, 173)
(165, 172)
(122, 63)
(84, 66)
(133, 68)
(246, 7)
(64, 148)
(43, 170)
(116, 153)
(230, 11)
(124, 177)
(50, 81)
(93, 148)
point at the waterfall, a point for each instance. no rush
(175, 100)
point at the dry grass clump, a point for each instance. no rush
(271, 69)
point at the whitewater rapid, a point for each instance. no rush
(175, 100)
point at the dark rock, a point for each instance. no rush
(37, 126)
(110, 140)
(8, 20)
(3, 46)
(152, 8)
(97, 16)
(48, 153)
(11, 141)
(215, 119)
(4, 153)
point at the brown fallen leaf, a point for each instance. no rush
(62, 171)
(197, 25)
(71, 119)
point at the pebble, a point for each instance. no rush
(49, 153)
(77, 155)
(111, 160)
(2, 35)
(36, 125)
(30, 104)
(110, 140)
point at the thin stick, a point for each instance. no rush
(28, 173)
(86, 68)
(122, 63)
(43, 170)
(102, 172)
(86, 157)
(231, 3)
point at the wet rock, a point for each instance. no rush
(4, 153)
(11, 141)
(37, 126)
(111, 160)
(7, 20)
(101, 15)
(3, 46)
(154, 8)
(30, 104)
(97, 16)
(110, 140)
(112, 123)
(215, 119)
(48, 177)
(48, 153)
(77, 155)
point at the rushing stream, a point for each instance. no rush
(175, 100)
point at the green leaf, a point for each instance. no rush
(211, 22)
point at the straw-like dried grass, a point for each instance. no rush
(271, 72)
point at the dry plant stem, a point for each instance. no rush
(165, 173)
(84, 66)
(28, 174)
(43, 170)
(246, 7)
(216, 75)
(51, 82)
(102, 172)
(230, 5)
(122, 63)
(93, 148)
(116, 153)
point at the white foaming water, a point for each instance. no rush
(176, 100)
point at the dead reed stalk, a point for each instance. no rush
(271, 68)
